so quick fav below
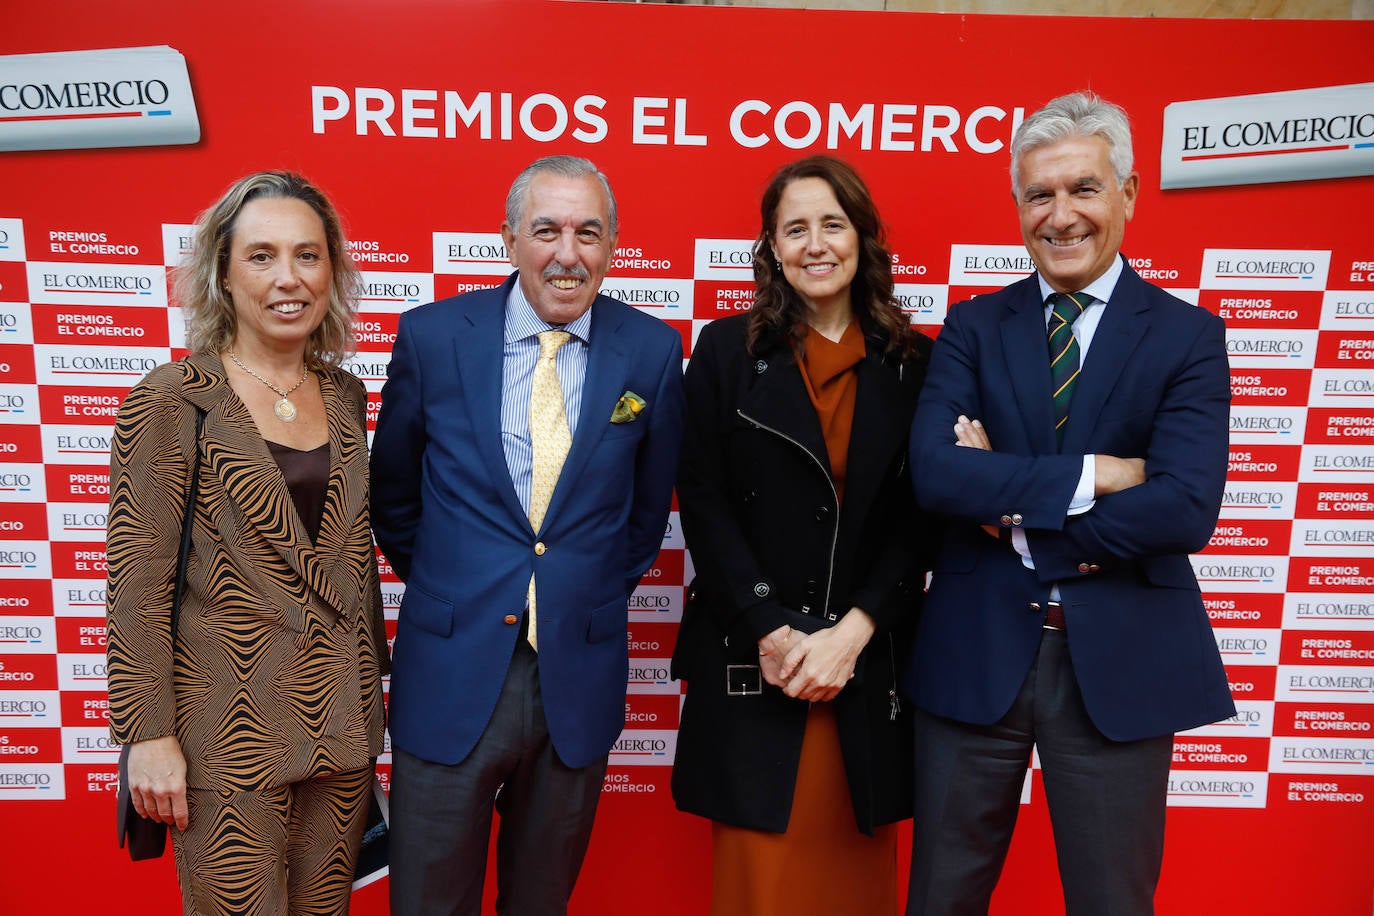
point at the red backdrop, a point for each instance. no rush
(688, 110)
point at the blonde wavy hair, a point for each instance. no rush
(199, 285)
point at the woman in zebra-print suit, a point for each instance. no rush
(256, 738)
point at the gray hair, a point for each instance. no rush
(211, 322)
(1078, 114)
(563, 167)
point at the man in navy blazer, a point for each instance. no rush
(1063, 611)
(486, 705)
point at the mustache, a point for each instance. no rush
(576, 271)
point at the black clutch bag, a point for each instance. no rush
(143, 837)
(374, 858)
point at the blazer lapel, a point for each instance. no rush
(1027, 355)
(236, 455)
(343, 500)
(601, 388)
(479, 351)
(1124, 324)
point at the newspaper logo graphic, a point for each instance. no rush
(988, 265)
(96, 99)
(1298, 135)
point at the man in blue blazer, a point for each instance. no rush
(510, 661)
(1063, 611)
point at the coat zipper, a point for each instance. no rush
(894, 703)
(835, 531)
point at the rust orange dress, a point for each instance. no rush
(822, 865)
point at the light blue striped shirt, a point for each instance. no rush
(521, 354)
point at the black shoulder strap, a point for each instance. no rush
(188, 518)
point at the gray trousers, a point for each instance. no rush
(1106, 800)
(441, 815)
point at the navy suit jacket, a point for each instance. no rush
(446, 514)
(1155, 385)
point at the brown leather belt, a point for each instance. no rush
(1054, 614)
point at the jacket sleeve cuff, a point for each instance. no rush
(758, 621)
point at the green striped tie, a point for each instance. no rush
(1065, 309)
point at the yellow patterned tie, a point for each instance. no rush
(550, 439)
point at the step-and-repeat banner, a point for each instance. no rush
(1255, 143)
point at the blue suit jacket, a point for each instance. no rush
(447, 516)
(1155, 385)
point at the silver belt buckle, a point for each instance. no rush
(743, 680)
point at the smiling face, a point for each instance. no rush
(278, 274)
(562, 246)
(1073, 212)
(817, 244)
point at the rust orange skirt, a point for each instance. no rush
(822, 865)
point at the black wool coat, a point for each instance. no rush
(772, 546)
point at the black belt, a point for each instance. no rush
(1054, 614)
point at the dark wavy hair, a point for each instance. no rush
(779, 311)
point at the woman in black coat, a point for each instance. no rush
(797, 509)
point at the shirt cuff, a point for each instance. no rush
(1083, 499)
(1022, 546)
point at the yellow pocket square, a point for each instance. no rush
(628, 408)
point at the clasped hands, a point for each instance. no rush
(816, 666)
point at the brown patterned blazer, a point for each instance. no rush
(281, 644)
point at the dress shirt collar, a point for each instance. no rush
(522, 321)
(1100, 289)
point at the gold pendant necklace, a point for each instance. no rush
(284, 409)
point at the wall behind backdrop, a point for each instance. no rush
(415, 116)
